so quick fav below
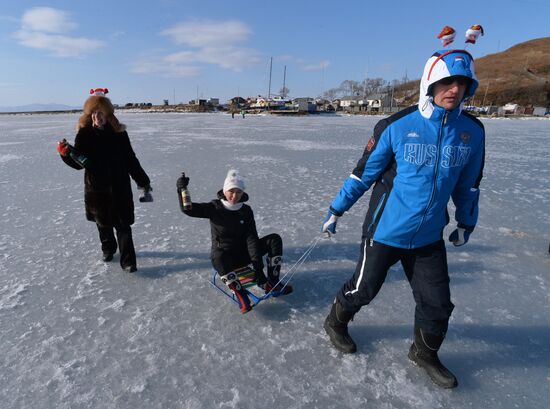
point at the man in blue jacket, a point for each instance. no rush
(417, 160)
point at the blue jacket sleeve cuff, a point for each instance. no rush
(335, 212)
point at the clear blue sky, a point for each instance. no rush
(147, 51)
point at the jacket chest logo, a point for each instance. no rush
(422, 154)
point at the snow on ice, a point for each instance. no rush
(80, 333)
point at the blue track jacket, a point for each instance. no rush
(417, 164)
(417, 159)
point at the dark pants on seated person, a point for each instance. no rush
(225, 261)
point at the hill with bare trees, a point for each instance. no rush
(520, 74)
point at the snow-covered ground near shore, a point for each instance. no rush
(80, 333)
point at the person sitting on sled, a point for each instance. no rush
(235, 241)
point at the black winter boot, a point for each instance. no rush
(274, 268)
(423, 352)
(336, 326)
(107, 257)
(108, 242)
(273, 272)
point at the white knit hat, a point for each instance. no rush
(233, 180)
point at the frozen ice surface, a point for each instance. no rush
(80, 333)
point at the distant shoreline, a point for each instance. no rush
(176, 111)
(71, 111)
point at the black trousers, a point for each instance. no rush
(427, 272)
(225, 261)
(125, 242)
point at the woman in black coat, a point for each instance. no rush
(111, 161)
(235, 241)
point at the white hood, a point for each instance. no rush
(443, 64)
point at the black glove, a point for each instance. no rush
(145, 195)
(461, 234)
(183, 182)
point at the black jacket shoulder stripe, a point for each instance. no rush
(480, 176)
(473, 118)
(384, 123)
(480, 124)
(378, 130)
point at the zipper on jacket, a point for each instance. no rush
(436, 172)
(373, 220)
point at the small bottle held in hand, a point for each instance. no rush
(186, 199)
(78, 157)
(185, 196)
(66, 149)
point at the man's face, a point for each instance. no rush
(448, 92)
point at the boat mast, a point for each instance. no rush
(284, 84)
(269, 89)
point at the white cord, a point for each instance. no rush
(298, 263)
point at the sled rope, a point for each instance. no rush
(292, 270)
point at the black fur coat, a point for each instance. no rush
(107, 189)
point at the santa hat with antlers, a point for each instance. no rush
(99, 92)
